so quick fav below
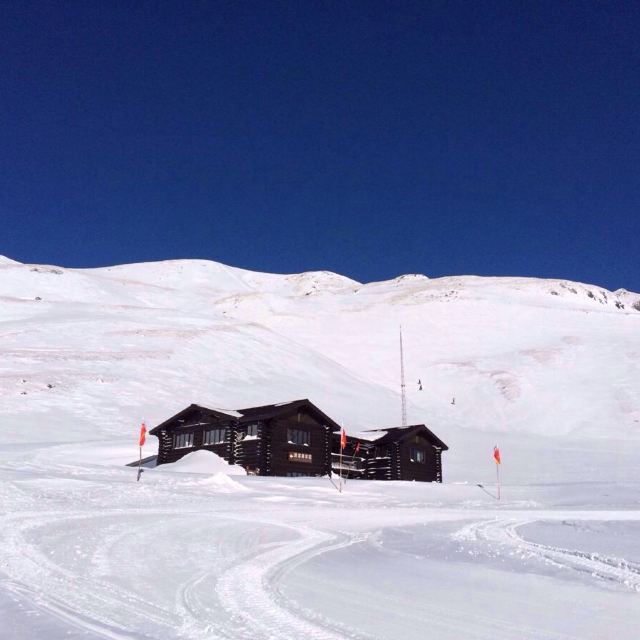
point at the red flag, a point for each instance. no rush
(357, 446)
(496, 454)
(143, 434)
(343, 440)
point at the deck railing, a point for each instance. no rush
(348, 463)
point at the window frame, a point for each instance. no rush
(222, 436)
(298, 436)
(183, 440)
(417, 454)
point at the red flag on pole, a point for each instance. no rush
(143, 434)
(496, 454)
(343, 440)
(357, 446)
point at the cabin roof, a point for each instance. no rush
(394, 434)
(250, 414)
(229, 415)
(283, 409)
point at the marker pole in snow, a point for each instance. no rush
(340, 470)
(343, 444)
(141, 439)
(496, 457)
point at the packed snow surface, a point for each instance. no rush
(547, 369)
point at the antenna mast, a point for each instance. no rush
(403, 391)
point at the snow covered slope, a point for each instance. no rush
(87, 353)
(547, 369)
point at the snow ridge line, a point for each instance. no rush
(505, 532)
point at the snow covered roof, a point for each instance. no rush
(393, 434)
(251, 414)
(195, 407)
(283, 409)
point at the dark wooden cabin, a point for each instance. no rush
(395, 453)
(195, 428)
(287, 439)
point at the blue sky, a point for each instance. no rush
(368, 138)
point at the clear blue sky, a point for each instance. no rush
(368, 138)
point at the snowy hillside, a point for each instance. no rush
(550, 370)
(87, 353)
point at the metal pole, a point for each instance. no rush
(402, 384)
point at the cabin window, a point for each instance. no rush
(252, 429)
(298, 436)
(182, 440)
(249, 431)
(417, 455)
(296, 456)
(213, 436)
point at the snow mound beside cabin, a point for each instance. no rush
(203, 461)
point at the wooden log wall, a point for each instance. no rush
(280, 447)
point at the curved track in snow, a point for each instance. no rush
(504, 532)
(90, 554)
(236, 596)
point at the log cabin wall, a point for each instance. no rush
(297, 458)
(378, 463)
(262, 447)
(438, 451)
(294, 440)
(396, 461)
(400, 454)
(226, 448)
(251, 445)
(417, 460)
(196, 429)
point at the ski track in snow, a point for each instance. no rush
(505, 533)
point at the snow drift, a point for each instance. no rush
(202, 462)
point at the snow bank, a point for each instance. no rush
(202, 461)
(222, 483)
